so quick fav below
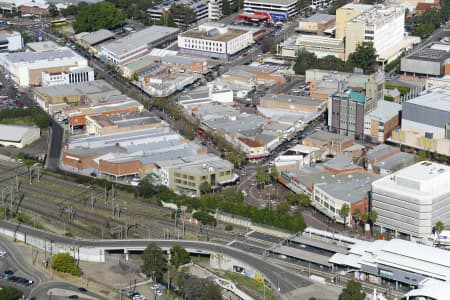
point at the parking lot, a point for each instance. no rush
(9, 276)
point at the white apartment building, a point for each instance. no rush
(26, 68)
(409, 202)
(383, 26)
(10, 41)
(214, 40)
(138, 44)
(74, 75)
(279, 10)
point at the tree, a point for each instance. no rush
(267, 45)
(64, 262)
(439, 227)
(364, 57)
(345, 210)
(205, 187)
(373, 216)
(10, 293)
(261, 177)
(283, 207)
(211, 291)
(237, 158)
(274, 174)
(154, 262)
(95, 16)
(52, 10)
(335, 5)
(301, 4)
(183, 15)
(167, 20)
(364, 219)
(226, 9)
(70, 10)
(179, 256)
(331, 62)
(353, 291)
(356, 216)
(193, 287)
(424, 30)
(297, 199)
(205, 218)
(304, 62)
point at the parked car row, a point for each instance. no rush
(9, 276)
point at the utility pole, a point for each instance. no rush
(175, 221)
(11, 198)
(106, 195)
(92, 201)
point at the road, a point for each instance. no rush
(55, 144)
(41, 286)
(43, 291)
(290, 281)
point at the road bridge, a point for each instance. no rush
(95, 250)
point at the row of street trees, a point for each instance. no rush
(359, 218)
(157, 265)
(363, 58)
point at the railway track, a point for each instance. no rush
(48, 202)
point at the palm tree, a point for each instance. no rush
(439, 227)
(345, 210)
(356, 216)
(364, 220)
(373, 216)
(274, 174)
(261, 177)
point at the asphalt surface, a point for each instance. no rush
(39, 290)
(42, 291)
(56, 139)
(265, 237)
(290, 281)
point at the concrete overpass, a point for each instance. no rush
(95, 250)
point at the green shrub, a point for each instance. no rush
(64, 262)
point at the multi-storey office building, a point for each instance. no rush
(383, 26)
(214, 40)
(410, 201)
(279, 10)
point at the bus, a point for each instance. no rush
(59, 22)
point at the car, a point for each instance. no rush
(9, 272)
(155, 286)
(74, 297)
(30, 282)
(159, 293)
(82, 289)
